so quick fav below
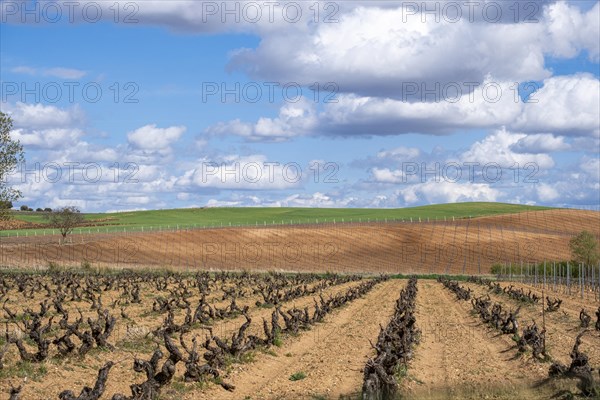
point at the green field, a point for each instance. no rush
(200, 217)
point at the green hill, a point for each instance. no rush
(218, 216)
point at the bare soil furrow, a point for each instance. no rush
(459, 358)
(331, 355)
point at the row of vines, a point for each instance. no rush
(66, 316)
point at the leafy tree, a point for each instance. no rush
(65, 219)
(11, 154)
(584, 248)
(6, 205)
(47, 209)
(24, 207)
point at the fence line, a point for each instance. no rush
(392, 246)
(256, 224)
(521, 219)
(580, 280)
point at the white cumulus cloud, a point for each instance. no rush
(150, 137)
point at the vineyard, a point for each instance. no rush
(148, 335)
(360, 311)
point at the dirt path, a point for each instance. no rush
(460, 358)
(225, 328)
(331, 355)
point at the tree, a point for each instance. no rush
(11, 154)
(584, 248)
(65, 219)
(24, 207)
(6, 205)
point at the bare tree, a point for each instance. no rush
(65, 219)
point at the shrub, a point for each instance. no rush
(53, 267)
(86, 266)
(297, 376)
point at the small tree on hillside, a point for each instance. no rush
(65, 219)
(584, 248)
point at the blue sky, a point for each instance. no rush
(422, 108)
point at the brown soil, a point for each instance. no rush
(331, 355)
(17, 224)
(461, 246)
(460, 358)
(73, 372)
(14, 224)
(562, 326)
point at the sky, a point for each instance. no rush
(125, 105)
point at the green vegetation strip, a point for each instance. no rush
(90, 270)
(251, 216)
